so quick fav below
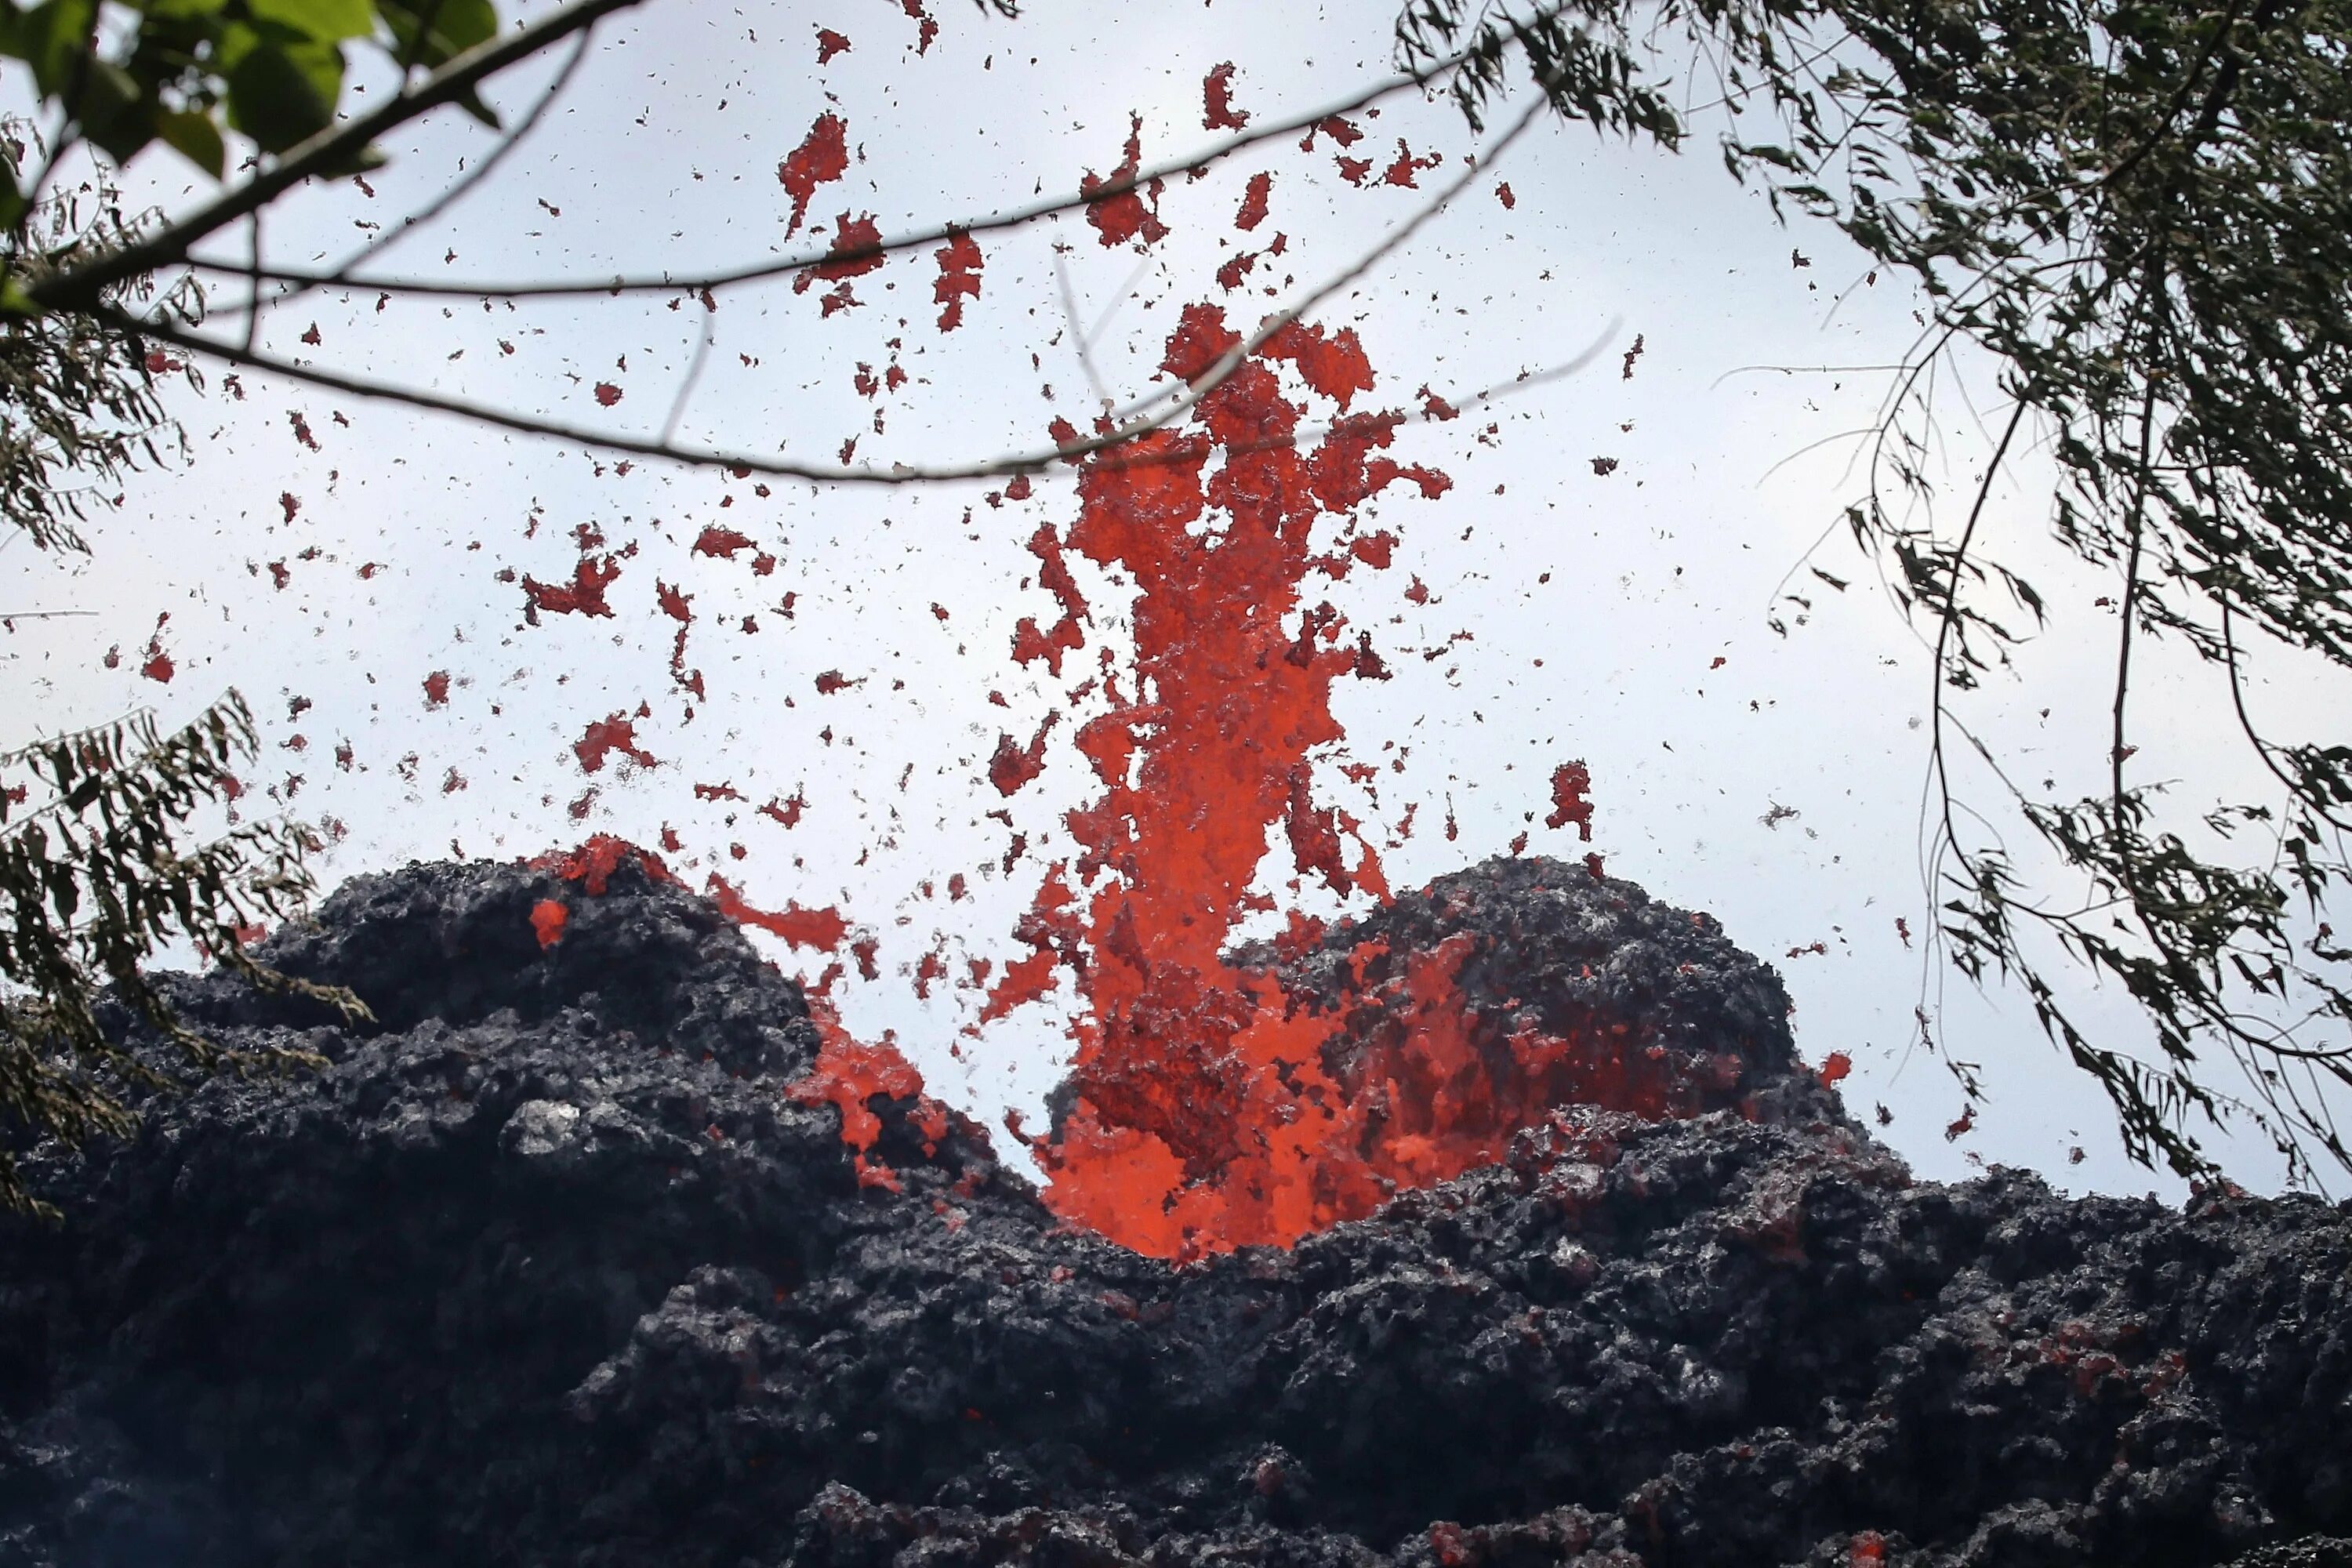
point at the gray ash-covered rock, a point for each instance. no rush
(546, 1268)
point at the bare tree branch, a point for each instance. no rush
(458, 188)
(1179, 401)
(83, 288)
(932, 234)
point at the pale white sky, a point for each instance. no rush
(1620, 618)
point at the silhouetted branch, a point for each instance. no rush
(84, 286)
(850, 255)
(1179, 401)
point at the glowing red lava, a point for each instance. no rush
(1212, 1102)
(1205, 1115)
(822, 157)
(548, 919)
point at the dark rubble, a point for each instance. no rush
(545, 1269)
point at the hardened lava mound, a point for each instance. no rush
(563, 1262)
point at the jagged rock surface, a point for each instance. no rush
(546, 1268)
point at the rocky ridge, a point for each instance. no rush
(547, 1266)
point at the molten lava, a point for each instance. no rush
(1216, 1100)
(1211, 1107)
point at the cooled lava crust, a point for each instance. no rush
(548, 1268)
(1658, 1010)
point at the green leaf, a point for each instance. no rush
(49, 39)
(460, 24)
(325, 21)
(471, 102)
(281, 94)
(196, 138)
(451, 27)
(115, 111)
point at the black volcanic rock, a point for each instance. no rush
(546, 1268)
(1554, 948)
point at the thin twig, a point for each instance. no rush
(1081, 338)
(84, 286)
(462, 183)
(932, 234)
(252, 315)
(1032, 462)
(693, 373)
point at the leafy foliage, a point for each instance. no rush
(99, 863)
(188, 73)
(97, 873)
(78, 400)
(2141, 210)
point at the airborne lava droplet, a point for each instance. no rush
(1406, 167)
(829, 44)
(822, 929)
(608, 393)
(606, 736)
(721, 542)
(584, 596)
(1014, 765)
(927, 29)
(1641, 342)
(1125, 216)
(822, 157)
(1031, 644)
(1572, 783)
(959, 280)
(1336, 127)
(159, 666)
(1253, 201)
(437, 688)
(1218, 112)
(856, 247)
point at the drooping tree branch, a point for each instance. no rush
(921, 236)
(84, 286)
(1161, 410)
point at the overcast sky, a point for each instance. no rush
(1598, 580)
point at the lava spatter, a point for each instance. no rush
(1218, 1098)
(1200, 1114)
(848, 1073)
(822, 157)
(959, 263)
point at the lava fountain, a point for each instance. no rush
(1215, 1102)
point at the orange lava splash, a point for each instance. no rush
(1208, 1111)
(1213, 1100)
(848, 1073)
